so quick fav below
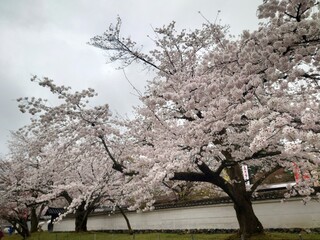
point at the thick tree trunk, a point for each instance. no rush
(81, 218)
(248, 222)
(34, 220)
(235, 187)
(81, 221)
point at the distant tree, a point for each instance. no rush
(218, 102)
(16, 201)
(80, 148)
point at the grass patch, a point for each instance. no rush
(281, 236)
(160, 236)
(289, 236)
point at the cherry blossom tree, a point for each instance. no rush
(33, 182)
(219, 102)
(79, 148)
(16, 202)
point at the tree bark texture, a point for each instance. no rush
(34, 220)
(248, 221)
(81, 218)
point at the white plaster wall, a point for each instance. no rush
(67, 224)
(290, 214)
(201, 217)
(272, 214)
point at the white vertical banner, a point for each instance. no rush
(245, 174)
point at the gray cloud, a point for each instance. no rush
(48, 38)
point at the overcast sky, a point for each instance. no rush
(48, 38)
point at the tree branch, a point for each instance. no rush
(66, 195)
(116, 166)
(191, 177)
(262, 154)
(263, 177)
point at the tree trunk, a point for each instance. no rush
(81, 216)
(234, 186)
(21, 226)
(24, 229)
(34, 220)
(248, 222)
(81, 221)
(127, 220)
